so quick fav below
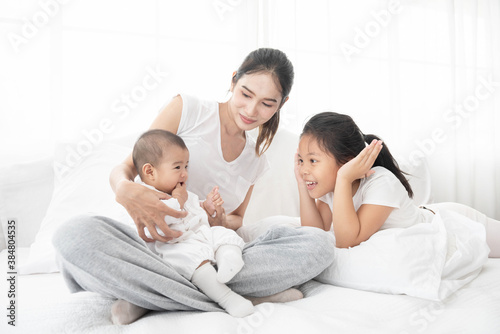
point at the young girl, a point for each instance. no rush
(338, 186)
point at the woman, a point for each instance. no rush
(101, 255)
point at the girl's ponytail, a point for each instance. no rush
(386, 160)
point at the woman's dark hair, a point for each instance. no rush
(276, 63)
(338, 135)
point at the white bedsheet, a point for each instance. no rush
(44, 305)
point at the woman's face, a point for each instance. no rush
(317, 168)
(256, 98)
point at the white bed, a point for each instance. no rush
(44, 305)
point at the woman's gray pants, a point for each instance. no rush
(101, 255)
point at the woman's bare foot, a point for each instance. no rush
(289, 295)
(124, 312)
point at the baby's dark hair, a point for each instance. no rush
(152, 146)
(338, 135)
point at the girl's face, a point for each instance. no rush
(317, 168)
(171, 170)
(255, 100)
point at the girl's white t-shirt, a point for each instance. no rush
(199, 127)
(384, 188)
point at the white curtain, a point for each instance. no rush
(424, 75)
(70, 68)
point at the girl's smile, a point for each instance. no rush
(310, 185)
(317, 168)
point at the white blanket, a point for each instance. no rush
(429, 261)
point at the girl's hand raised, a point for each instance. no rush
(360, 166)
(298, 177)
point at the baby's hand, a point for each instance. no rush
(180, 193)
(213, 201)
(360, 166)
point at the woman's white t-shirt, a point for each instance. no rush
(199, 127)
(384, 188)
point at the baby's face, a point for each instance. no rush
(172, 170)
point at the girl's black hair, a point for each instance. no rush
(342, 138)
(276, 63)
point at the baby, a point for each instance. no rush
(161, 159)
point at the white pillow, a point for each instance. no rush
(25, 190)
(83, 188)
(275, 193)
(419, 178)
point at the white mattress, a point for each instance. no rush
(44, 305)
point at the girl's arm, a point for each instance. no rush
(351, 227)
(326, 214)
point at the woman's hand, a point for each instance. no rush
(146, 209)
(219, 219)
(360, 166)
